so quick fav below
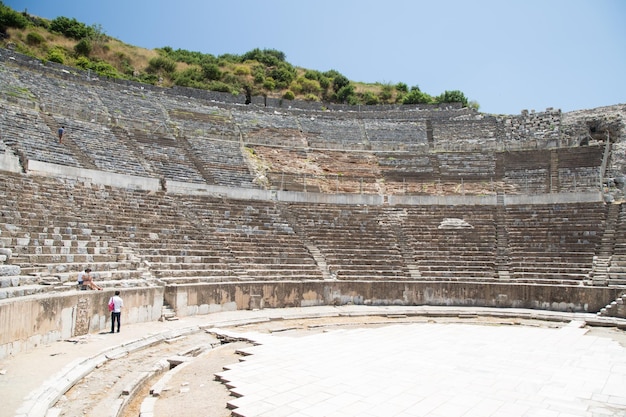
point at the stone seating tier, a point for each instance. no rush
(26, 290)
(60, 96)
(159, 158)
(25, 131)
(58, 227)
(263, 240)
(77, 97)
(104, 149)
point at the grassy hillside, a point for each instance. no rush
(258, 72)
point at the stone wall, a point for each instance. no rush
(28, 322)
(534, 125)
(596, 125)
(194, 299)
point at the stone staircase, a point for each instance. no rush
(396, 220)
(616, 308)
(554, 186)
(502, 242)
(599, 274)
(617, 267)
(69, 141)
(168, 313)
(315, 252)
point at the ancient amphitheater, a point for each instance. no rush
(394, 260)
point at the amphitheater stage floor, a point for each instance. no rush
(405, 368)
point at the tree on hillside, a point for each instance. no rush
(416, 96)
(340, 81)
(9, 18)
(454, 96)
(269, 57)
(71, 28)
(259, 71)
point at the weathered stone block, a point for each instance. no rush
(9, 270)
(22, 241)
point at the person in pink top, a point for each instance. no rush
(116, 303)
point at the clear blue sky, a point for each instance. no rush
(507, 55)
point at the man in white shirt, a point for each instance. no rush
(116, 303)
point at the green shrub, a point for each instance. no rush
(231, 79)
(454, 96)
(83, 47)
(105, 69)
(296, 88)
(191, 77)
(57, 55)
(161, 64)
(34, 39)
(220, 86)
(402, 87)
(346, 94)
(311, 97)
(71, 28)
(148, 78)
(102, 68)
(312, 75)
(226, 59)
(324, 82)
(188, 57)
(24, 49)
(9, 18)
(283, 74)
(339, 81)
(386, 92)
(352, 100)
(241, 70)
(258, 72)
(211, 71)
(269, 84)
(370, 98)
(269, 57)
(124, 63)
(35, 21)
(417, 97)
(83, 62)
(259, 78)
(126, 68)
(400, 97)
(289, 95)
(309, 86)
